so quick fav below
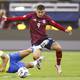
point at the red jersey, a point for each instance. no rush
(37, 25)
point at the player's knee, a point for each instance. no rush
(36, 56)
(59, 48)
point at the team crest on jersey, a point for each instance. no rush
(44, 21)
(34, 20)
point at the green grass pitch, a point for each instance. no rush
(70, 68)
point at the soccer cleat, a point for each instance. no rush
(58, 68)
(39, 62)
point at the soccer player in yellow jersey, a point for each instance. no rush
(10, 63)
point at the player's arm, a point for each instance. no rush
(5, 59)
(57, 25)
(18, 18)
(60, 27)
(68, 29)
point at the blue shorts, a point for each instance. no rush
(15, 63)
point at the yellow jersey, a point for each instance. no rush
(8, 63)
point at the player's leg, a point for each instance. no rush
(52, 44)
(19, 55)
(36, 51)
(24, 53)
(34, 63)
(58, 50)
(36, 55)
(14, 66)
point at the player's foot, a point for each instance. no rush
(58, 68)
(39, 62)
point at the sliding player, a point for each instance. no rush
(11, 62)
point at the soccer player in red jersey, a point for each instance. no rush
(37, 22)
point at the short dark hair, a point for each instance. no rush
(40, 7)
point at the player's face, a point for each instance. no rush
(40, 13)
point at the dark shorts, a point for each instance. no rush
(45, 43)
(51, 41)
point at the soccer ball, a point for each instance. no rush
(23, 72)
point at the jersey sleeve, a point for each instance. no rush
(18, 18)
(55, 24)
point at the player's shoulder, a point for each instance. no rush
(47, 16)
(3, 54)
(30, 14)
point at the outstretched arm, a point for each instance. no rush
(53, 23)
(57, 25)
(18, 18)
(61, 27)
(15, 18)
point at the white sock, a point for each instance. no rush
(34, 63)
